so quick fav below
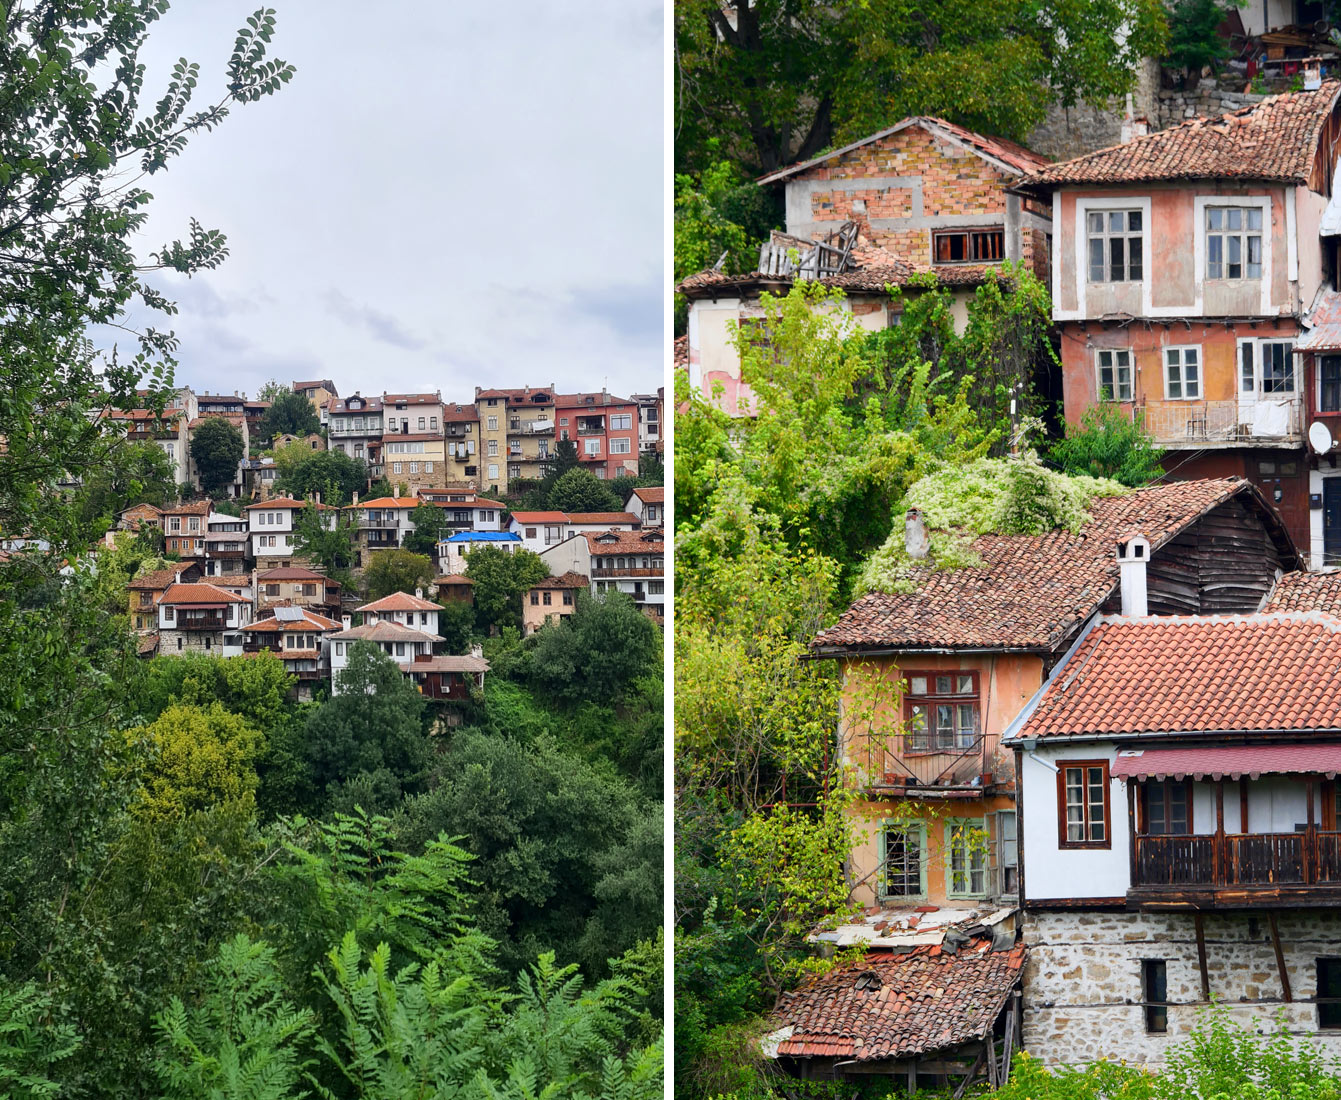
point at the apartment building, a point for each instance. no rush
(516, 434)
(461, 429)
(354, 426)
(605, 429)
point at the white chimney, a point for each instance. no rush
(477, 651)
(915, 534)
(347, 621)
(1133, 555)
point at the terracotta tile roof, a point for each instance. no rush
(652, 494)
(1033, 591)
(310, 621)
(286, 502)
(1016, 157)
(195, 508)
(400, 601)
(605, 518)
(625, 542)
(459, 414)
(322, 383)
(411, 437)
(525, 395)
(294, 573)
(198, 593)
(453, 578)
(1195, 674)
(568, 401)
(411, 399)
(147, 646)
(160, 578)
(383, 631)
(1276, 139)
(1307, 592)
(680, 353)
(370, 404)
(564, 580)
(389, 502)
(1325, 335)
(464, 663)
(893, 1005)
(485, 502)
(540, 517)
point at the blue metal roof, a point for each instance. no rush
(483, 536)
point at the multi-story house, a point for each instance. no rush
(649, 505)
(605, 430)
(414, 449)
(184, 529)
(296, 586)
(632, 562)
(355, 427)
(509, 452)
(254, 411)
(463, 510)
(168, 431)
(203, 618)
(226, 545)
(382, 524)
(650, 418)
(237, 419)
(455, 550)
(300, 638)
(1179, 841)
(921, 196)
(320, 393)
(1186, 261)
(551, 599)
(144, 592)
(933, 679)
(541, 530)
(271, 524)
(461, 430)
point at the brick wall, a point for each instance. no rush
(1082, 987)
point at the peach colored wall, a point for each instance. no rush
(870, 688)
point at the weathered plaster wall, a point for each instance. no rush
(1083, 978)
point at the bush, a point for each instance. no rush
(1107, 444)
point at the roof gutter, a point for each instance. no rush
(935, 651)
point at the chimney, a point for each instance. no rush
(1133, 555)
(419, 592)
(915, 534)
(477, 650)
(356, 497)
(347, 620)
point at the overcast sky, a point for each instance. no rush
(446, 195)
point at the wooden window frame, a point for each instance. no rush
(1115, 392)
(1097, 845)
(1244, 233)
(985, 245)
(1176, 361)
(882, 882)
(931, 699)
(1143, 807)
(1131, 272)
(1147, 1003)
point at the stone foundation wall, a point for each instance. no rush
(193, 641)
(1082, 983)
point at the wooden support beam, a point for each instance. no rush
(1201, 957)
(1280, 958)
(971, 1076)
(912, 1076)
(1004, 1075)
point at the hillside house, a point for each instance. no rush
(297, 586)
(298, 637)
(649, 505)
(551, 599)
(203, 618)
(226, 545)
(461, 430)
(921, 196)
(455, 586)
(382, 524)
(184, 529)
(455, 550)
(271, 525)
(320, 392)
(604, 429)
(516, 428)
(414, 447)
(354, 425)
(541, 530)
(632, 562)
(1187, 262)
(144, 591)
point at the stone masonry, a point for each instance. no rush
(193, 641)
(1082, 983)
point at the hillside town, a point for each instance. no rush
(1088, 732)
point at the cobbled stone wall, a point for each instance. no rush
(1082, 984)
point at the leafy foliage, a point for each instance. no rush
(131, 473)
(1194, 40)
(327, 538)
(430, 525)
(593, 654)
(289, 414)
(500, 579)
(391, 571)
(216, 449)
(197, 758)
(304, 473)
(1109, 444)
(583, 491)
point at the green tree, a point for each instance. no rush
(1109, 443)
(430, 525)
(562, 459)
(304, 473)
(368, 736)
(216, 449)
(583, 491)
(500, 579)
(781, 81)
(594, 654)
(327, 538)
(651, 471)
(199, 757)
(1194, 38)
(271, 390)
(289, 414)
(397, 571)
(132, 473)
(456, 625)
(380, 488)
(76, 124)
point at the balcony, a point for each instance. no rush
(1268, 421)
(534, 427)
(928, 767)
(1178, 871)
(616, 572)
(598, 430)
(199, 622)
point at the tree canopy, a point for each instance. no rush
(304, 472)
(289, 414)
(583, 491)
(397, 571)
(500, 579)
(216, 449)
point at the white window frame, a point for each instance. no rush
(621, 447)
(1107, 235)
(1243, 235)
(1176, 372)
(1255, 345)
(492, 423)
(591, 446)
(493, 448)
(1117, 393)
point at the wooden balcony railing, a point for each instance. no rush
(1236, 860)
(925, 763)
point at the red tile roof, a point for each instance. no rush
(579, 401)
(1196, 674)
(651, 494)
(1016, 158)
(453, 578)
(160, 578)
(459, 414)
(285, 502)
(389, 502)
(1032, 591)
(604, 518)
(1276, 139)
(400, 601)
(310, 621)
(680, 353)
(370, 404)
(524, 395)
(198, 593)
(540, 517)
(564, 580)
(462, 663)
(411, 399)
(383, 631)
(1325, 333)
(889, 1005)
(323, 383)
(625, 542)
(293, 573)
(1307, 592)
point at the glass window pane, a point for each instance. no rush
(1116, 267)
(1134, 258)
(1115, 221)
(965, 685)
(943, 685)
(1214, 257)
(1096, 260)
(1254, 257)
(1096, 222)
(1133, 221)
(1255, 218)
(1246, 367)
(917, 685)
(1175, 387)
(1215, 218)
(1234, 218)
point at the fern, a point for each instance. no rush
(30, 1045)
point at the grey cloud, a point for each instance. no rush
(383, 326)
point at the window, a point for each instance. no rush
(620, 446)
(421, 423)
(567, 599)
(493, 448)
(514, 446)
(1329, 384)
(530, 532)
(563, 422)
(428, 467)
(339, 649)
(621, 422)
(1005, 853)
(433, 423)
(174, 523)
(1168, 806)
(1329, 993)
(400, 649)
(414, 467)
(492, 423)
(1114, 375)
(179, 643)
(535, 599)
(1233, 242)
(1154, 995)
(941, 709)
(493, 471)
(169, 613)
(902, 847)
(656, 588)
(514, 472)
(1277, 367)
(966, 870)
(1114, 245)
(1082, 795)
(592, 446)
(272, 590)
(651, 511)
(1182, 374)
(395, 467)
(969, 246)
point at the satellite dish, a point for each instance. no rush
(1319, 437)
